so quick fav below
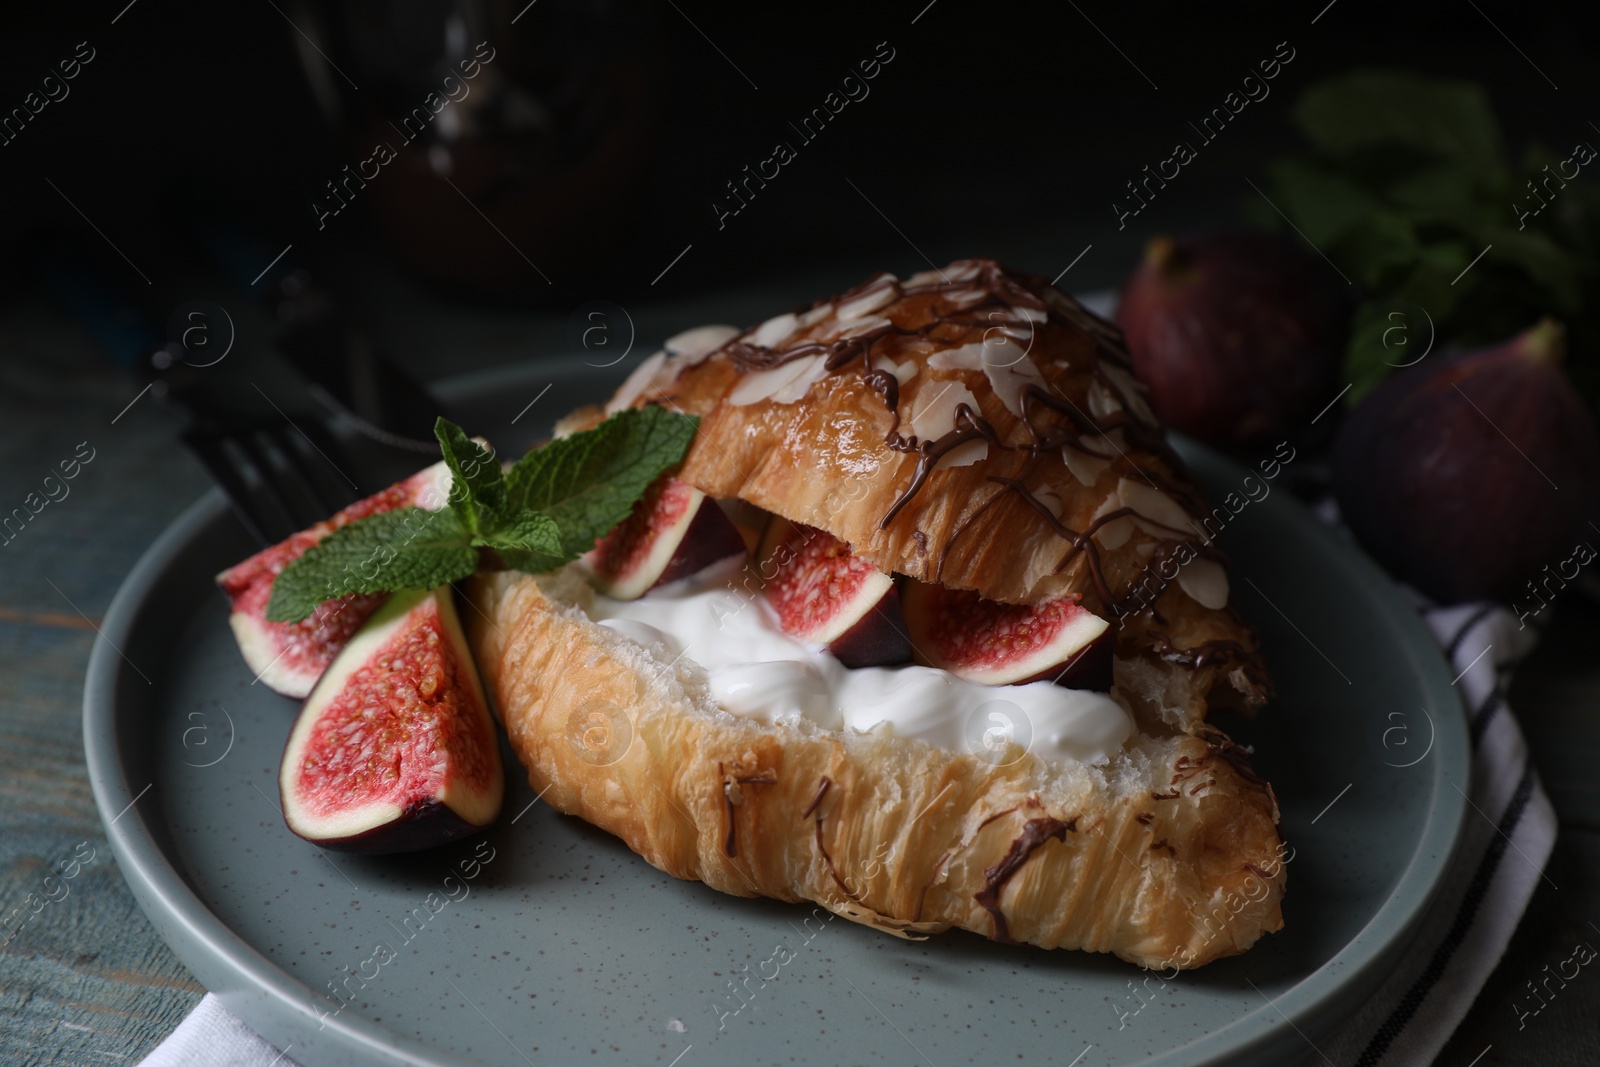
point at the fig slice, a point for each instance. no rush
(290, 656)
(992, 643)
(674, 531)
(825, 594)
(395, 751)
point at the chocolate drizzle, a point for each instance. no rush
(730, 843)
(822, 848)
(822, 791)
(832, 870)
(1035, 832)
(970, 426)
(955, 304)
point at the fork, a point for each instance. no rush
(280, 475)
(281, 472)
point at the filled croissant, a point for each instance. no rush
(925, 629)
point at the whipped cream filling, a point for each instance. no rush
(712, 624)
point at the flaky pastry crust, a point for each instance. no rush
(1168, 856)
(977, 428)
(1064, 427)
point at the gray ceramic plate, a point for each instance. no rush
(567, 948)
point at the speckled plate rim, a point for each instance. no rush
(275, 1004)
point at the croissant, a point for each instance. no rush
(976, 429)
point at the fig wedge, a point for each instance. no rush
(674, 531)
(992, 643)
(824, 594)
(394, 750)
(290, 656)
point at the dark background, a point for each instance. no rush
(1001, 129)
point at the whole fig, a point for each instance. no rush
(1467, 475)
(1238, 337)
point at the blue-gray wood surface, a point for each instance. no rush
(88, 981)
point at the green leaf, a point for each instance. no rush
(1446, 193)
(1403, 113)
(1323, 204)
(531, 543)
(1396, 329)
(477, 488)
(589, 482)
(1380, 339)
(1379, 251)
(1554, 270)
(409, 548)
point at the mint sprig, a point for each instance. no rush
(408, 548)
(477, 487)
(550, 507)
(1404, 183)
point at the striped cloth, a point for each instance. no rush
(1506, 841)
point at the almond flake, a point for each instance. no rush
(964, 455)
(698, 343)
(775, 330)
(1010, 371)
(759, 385)
(882, 290)
(860, 326)
(903, 372)
(1047, 495)
(1084, 467)
(1103, 402)
(934, 412)
(1167, 517)
(1132, 393)
(633, 386)
(1205, 581)
(810, 318)
(963, 357)
(1114, 534)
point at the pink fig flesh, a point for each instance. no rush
(674, 531)
(1237, 337)
(395, 750)
(290, 656)
(823, 593)
(992, 643)
(1471, 476)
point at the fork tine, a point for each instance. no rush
(273, 486)
(208, 449)
(331, 454)
(287, 442)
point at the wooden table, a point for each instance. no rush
(87, 981)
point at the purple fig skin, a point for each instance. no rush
(1237, 337)
(878, 638)
(421, 826)
(711, 536)
(1466, 476)
(1088, 668)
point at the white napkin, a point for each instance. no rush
(1509, 833)
(213, 1037)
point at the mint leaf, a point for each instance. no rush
(550, 509)
(477, 488)
(589, 482)
(531, 543)
(1399, 113)
(409, 548)
(1324, 204)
